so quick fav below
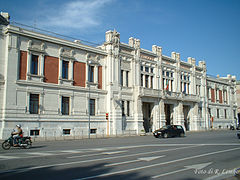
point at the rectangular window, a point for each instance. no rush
(122, 77)
(200, 112)
(92, 107)
(34, 132)
(185, 77)
(34, 65)
(93, 131)
(163, 83)
(147, 69)
(34, 104)
(127, 78)
(151, 70)
(212, 95)
(65, 69)
(225, 113)
(146, 81)
(128, 108)
(91, 73)
(171, 74)
(66, 131)
(163, 73)
(65, 105)
(234, 114)
(141, 79)
(151, 82)
(217, 113)
(141, 68)
(123, 109)
(167, 74)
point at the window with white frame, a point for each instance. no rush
(65, 105)
(34, 104)
(34, 64)
(65, 69)
(91, 73)
(92, 107)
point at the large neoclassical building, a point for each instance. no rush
(54, 87)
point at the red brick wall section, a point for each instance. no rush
(220, 96)
(51, 69)
(100, 77)
(79, 74)
(213, 95)
(23, 65)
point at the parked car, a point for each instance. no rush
(169, 131)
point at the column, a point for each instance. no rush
(71, 70)
(180, 115)
(143, 80)
(60, 68)
(160, 78)
(95, 80)
(162, 118)
(87, 72)
(41, 64)
(29, 58)
(28, 103)
(194, 121)
(170, 85)
(124, 78)
(149, 81)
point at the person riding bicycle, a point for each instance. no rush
(18, 134)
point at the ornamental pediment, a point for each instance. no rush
(36, 46)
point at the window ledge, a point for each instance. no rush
(66, 81)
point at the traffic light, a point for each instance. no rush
(106, 116)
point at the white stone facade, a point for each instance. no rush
(138, 89)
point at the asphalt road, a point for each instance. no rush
(199, 155)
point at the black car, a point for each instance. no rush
(169, 131)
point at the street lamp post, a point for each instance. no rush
(89, 130)
(158, 77)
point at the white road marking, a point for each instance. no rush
(114, 152)
(129, 155)
(158, 164)
(195, 166)
(8, 157)
(71, 151)
(93, 160)
(40, 153)
(85, 155)
(55, 153)
(137, 160)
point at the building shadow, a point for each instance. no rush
(67, 172)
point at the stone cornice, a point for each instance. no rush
(59, 87)
(126, 46)
(51, 39)
(217, 80)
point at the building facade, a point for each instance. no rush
(55, 87)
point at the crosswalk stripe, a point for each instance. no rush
(8, 157)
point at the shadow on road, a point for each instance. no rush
(64, 172)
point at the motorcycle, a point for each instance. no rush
(23, 142)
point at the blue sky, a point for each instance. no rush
(204, 29)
